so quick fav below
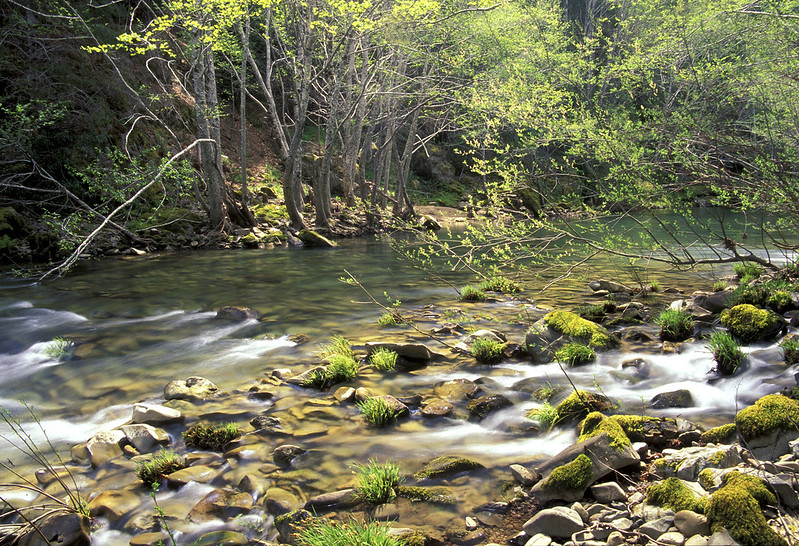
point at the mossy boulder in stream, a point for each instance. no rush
(579, 404)
(596, 423)
(574, 476)
(446, 465)
(750, 324)
(578, 328)
(314, 239)
(769, 424)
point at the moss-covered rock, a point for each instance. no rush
(596, 423)
(574, 326)
(314, 239)
(719, 435)
(435, 495)
(737, 507)
(656, 431)
(750, 324)
(579, 404)
(771, 413)
(446, 465)
(672, 493)
(573, 476)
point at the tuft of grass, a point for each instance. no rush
(377, 411)
(654, 285)
(323, 532)
(487, 351)
(338, 346)
(318, 379)
(154, 470)
(726, 352)
(575, 354)
(499, 284)
(675, 325)
(470, 293)
(342, 368)
(57, 348)
(377, 483)
(790, 351)
(389, 319)
(546, 415)
(211, 437)
(383, 359)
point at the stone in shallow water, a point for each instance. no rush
(221, 504)
(285, 454)
(153, 414)
(104, 446)
(113, 504)
(238, 314)
(674, 399)
(193, 389)
(197, 473)
(223, 537)
(145, 438)
(437, 408)
(561, 523)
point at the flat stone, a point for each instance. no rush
(672, 538)
(149, 539)
(221, 504)
(386, 512)
(673, 399)
(193, 389)
(458, 389)
(285, 454)
(437, 408)
(413, 351)
(238, 314)
(153, 414)
(197, 473)
(615, 539)
(344, 394)
(145, 438)
(113, 504)
(554, 523)
(653, 529)
(71, 528)
(608, 492)
(722, 538)
(489, 519)
(332, 501)
(690, 523)
(222, 537)
(696, 540)
(783, 486)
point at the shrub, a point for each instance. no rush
(338, 346)
(747, 271)
(499, 284)
(470, 293)
(377, 483)
(377, 411)
(57, 348)
(726, 352)
(487, 350)
(775, 294)
(790, 351)
(341, 368)
(211, 437)
(155, 469)
(575, 354)
(323, 532)
(383, 359)
(675, 325)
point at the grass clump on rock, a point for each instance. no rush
(790, 351)
(596, 423)
(383, 359)
(575, 354)
(738, 507)
(546, 415)
(377, 483)
(770, 413)
(573, 476)
(748, 323)
(211, 437)
(154, 470)
(323, 532)
(389, 319)
(487, 350)
(726, 352)
(341, 368)
(57, 348)
(377, 411)
(673, 494)
(499, 284)
(573, 325)
(470, 293)
(675, 325)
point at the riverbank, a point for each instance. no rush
(299, 442)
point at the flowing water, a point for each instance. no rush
(137, 323)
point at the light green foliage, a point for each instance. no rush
(388, 319)
(154, 470)
(675, 325)
(470, 293)
(383, 359)
(747, 271)
(596, 423)
(487, 350)
(579, 328)
(574, 476)
(546, 415)
(775, 294)
(747, 322)
(719, 435)
(57, 348)
(323, 532)
(341, 368)
(211, 436)
(738, 507)
(673, 494)
(427, 494)
(338, 346)
(654, 285)
(706, 479)
(790, 351)
(377, 483)
(575, 354)
(377, 411)
(726, 352)
(633, 425)
(718, 286)
(770, 413)
(499, 284)
(579, 404)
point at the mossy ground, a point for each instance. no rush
(747, 322)
(573, 476)
(573, 325)
(596, 423)
(770, 413)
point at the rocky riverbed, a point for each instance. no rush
(630, 477)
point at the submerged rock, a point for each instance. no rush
(313, 239)
(447, 465)
(221, 504)
(58, 528)
(479, 408)
(145, 438)
(238, 314)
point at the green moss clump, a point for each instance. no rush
(577, 327)
(596, 424)
(737, 507)
(573, 476)
(579, 404)
(633, 425)
(672, 493)
(425, 494)
(446, 465)
(718, 435)
(770, 413)
(747, 322)
(706, 479)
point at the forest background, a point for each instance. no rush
(209, 117)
